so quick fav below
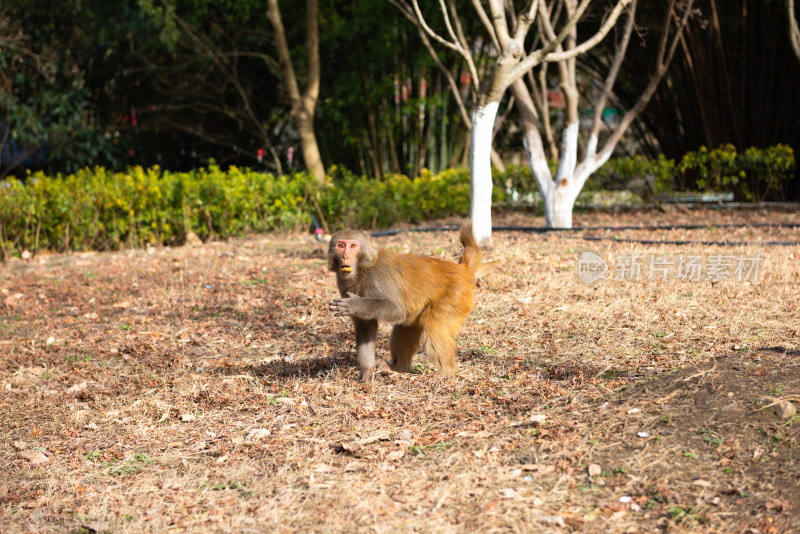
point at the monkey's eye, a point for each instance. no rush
(352, 245)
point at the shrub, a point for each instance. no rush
(755, 174)
(99, 209)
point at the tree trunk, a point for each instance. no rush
(558, 204)
(302, 105)
(304, 120)
(560, 194)
(480, 167)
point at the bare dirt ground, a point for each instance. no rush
(208, 389)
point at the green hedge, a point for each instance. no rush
(99, 209)
(755, 174)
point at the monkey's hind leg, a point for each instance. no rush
(440, 344)
(403, 344)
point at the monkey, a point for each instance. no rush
(427, 299)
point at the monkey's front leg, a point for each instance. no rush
(366, 334)
(368, 308)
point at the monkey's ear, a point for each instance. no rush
(368, 256)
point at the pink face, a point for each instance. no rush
(348, 250)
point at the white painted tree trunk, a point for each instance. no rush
(480, 168)
(560, 194)
(560, 204)
(561, 200)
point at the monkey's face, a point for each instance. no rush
(348, 251)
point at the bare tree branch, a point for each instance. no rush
(496, 8)
(543, 54)
(455, 45)
(447, 23)
(666, 52)
(611, 20)
(451, 82)
(619, 56)
(794, 30)
(525, 20)
(457, 22)
(484, 18)
(545, 112)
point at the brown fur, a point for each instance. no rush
(428, 300)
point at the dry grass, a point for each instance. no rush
(208, 389)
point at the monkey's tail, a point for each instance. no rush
(472, 252)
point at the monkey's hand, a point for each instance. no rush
(346, 305)
(367, 308)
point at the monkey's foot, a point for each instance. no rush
(366, 375)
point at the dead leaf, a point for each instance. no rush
(556, 520)
(350, 446)
(405, 435)
(595, 470)
(78, 387)
(537, 419)
(508, 493)
(396, 455)
(777, 505)
(538, 468)
(98, 527)
(258, 434)
(35, 457)
(13, 300)
(534, 419)
(380, 436)
(784, 409)
(324, 468)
